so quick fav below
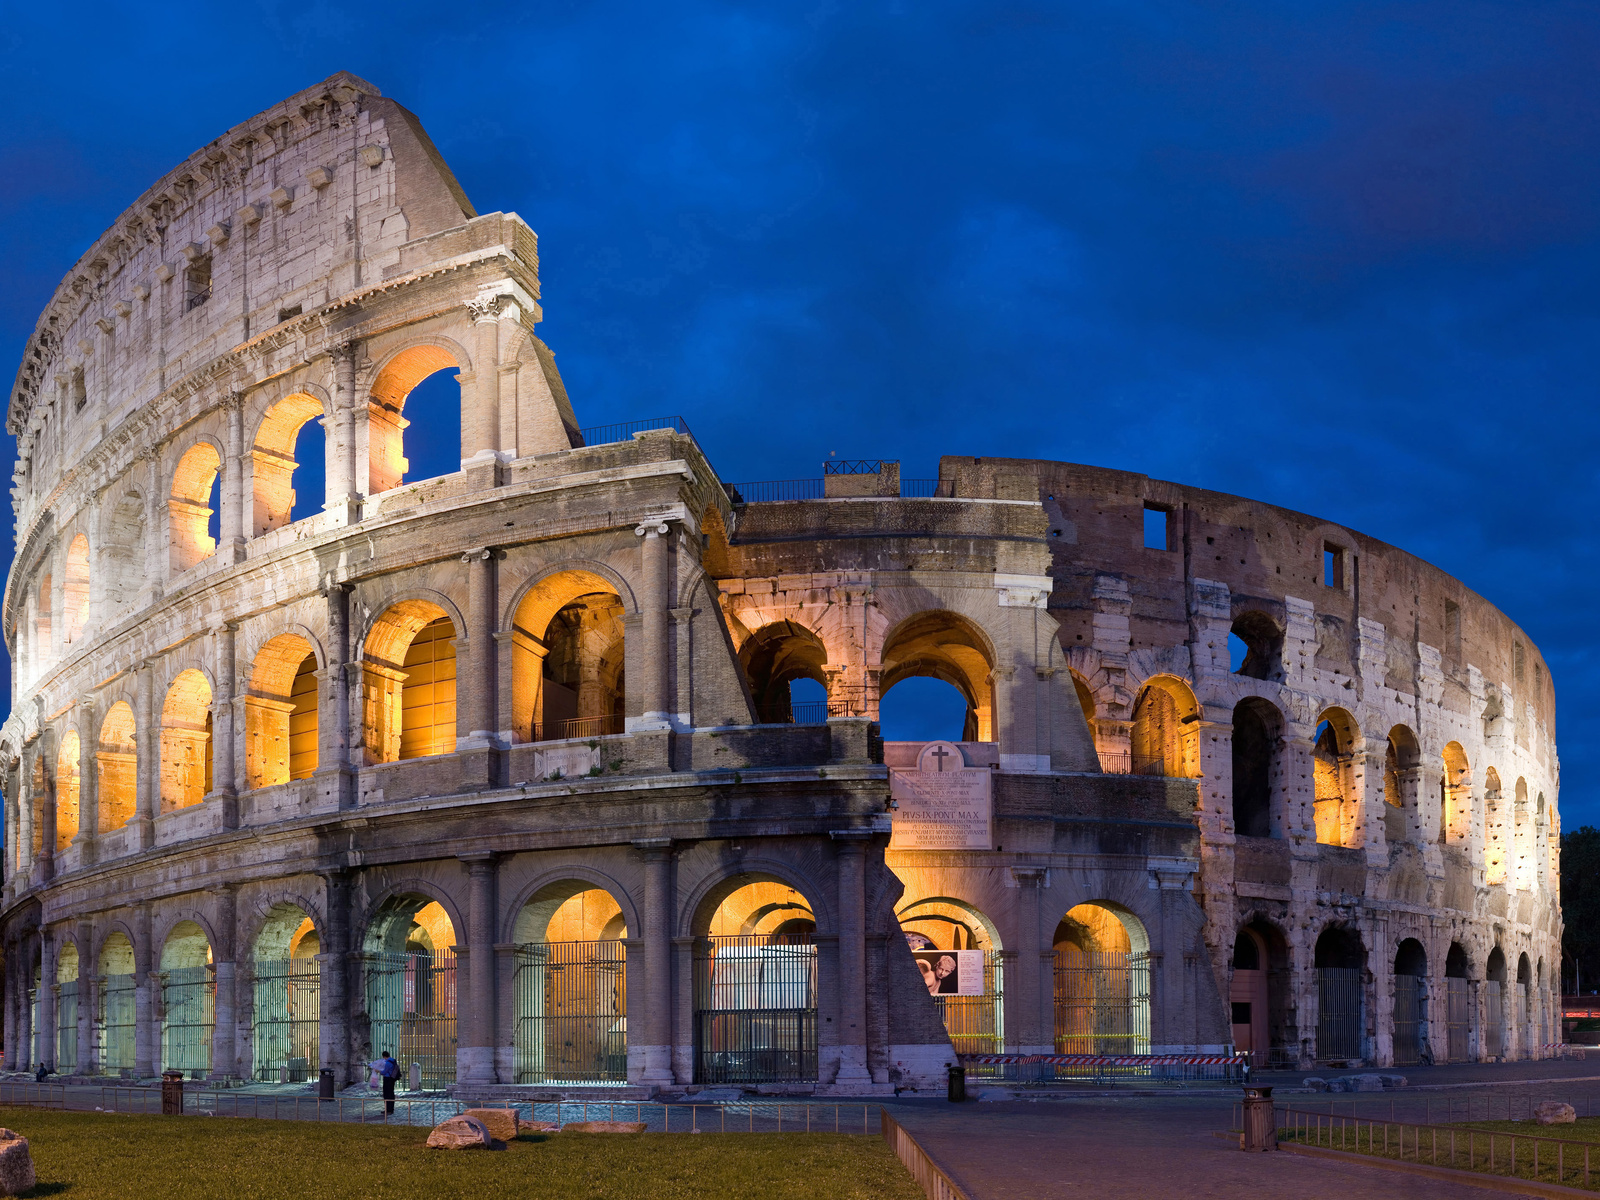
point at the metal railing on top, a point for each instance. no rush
(770, 490)
(927, 489)
(857, 466)
(1122, 762)
(809, 712)
(602, 435)
(580, 727)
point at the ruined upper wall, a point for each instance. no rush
(305, 202)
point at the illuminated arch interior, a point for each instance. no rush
(568, 674)
(186, 742)
(117, 759)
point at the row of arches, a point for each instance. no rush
(1457, 1015)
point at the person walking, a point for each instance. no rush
(388, 1071)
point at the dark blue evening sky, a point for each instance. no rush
(1341, 257)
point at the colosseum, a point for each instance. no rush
(563, 769)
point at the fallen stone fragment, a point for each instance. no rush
(1365, 1083)
(1315, 1082)
(603, 1127)
(460, 1133)
(537, 1126)
(500, 1122)
(1554, 1112)
(1394, 1081)
(16, 1164)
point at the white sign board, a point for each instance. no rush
(942, 804)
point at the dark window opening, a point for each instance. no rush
(1241, 1012)
(1157, 528)
(1246, 955)
(1255, 647)
(1332, 566)
(1253, 745)
(288, 314)
(197, 283)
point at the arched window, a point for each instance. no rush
(409, 670)
(1410, 1001)
(1494, 831)
(568, 677)
(944, 935)
(1336, 808)
(1102, 981)
(75, 591)
(282, 447)
(943, 646)
(67, 790)
(420, 381)
(410, 968)
(186, 742)
(570, 986)
(773, 658)
(1522, 874)
(1257, 732)
(1494, 1008)
(280, 707)
(1341, 995)
(1458, 1005)
(118, 762)
(191, 506)
(286, 1008)
(1402, 759)
(1166, 729)
(1455, 796)
(188, 1001)
(122, 558)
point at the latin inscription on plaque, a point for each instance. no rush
(943, 804)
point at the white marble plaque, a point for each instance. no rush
(942, 804)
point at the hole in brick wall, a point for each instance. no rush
(1332, 565)
(1157, 528)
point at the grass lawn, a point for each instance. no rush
(86, 1156)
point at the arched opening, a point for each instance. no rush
(117, 763)
(287, 1001)
(1339, 962)
(280, 713)
(755, 985)
(188, 1001)
(1458, 1005)
(421, 381)
(409, 671)
(186, 742)
(1102, 981)
(411, 987)
(567, 659)
(1402, 762)
(75, 591)
(1248, 994)
(1455, 796)
(1410, 1002)
(957, 950)
(1525, 1005)
(943, 646)
(1166, 729)
(1256, 646)
(1335, 806)
(67, 790)
(190, 508)
(924, 710)
(67, 1009)
(285, 440)
(776, 656)
(117, 1023)
(1085, 700)
(1257, 733)
(1494, 829)
(122, 559)
(1494, 1007)
(571, 988)
(1521, 839)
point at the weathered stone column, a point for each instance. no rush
(222, 716)
(46, 866)
(235, 507)
(345, 482)
(335, 776)
(650, 1049)
(146, 1016)
(49, 999)
(157, 549)
(88, 998)
(333, 964)
(476, 692)
(480, 412)
(88, 781)
(147, 736)
(850, 847)
(475, 1058)
(25, 805)
(653, 605)
(1027, 1012)
(224, 1055)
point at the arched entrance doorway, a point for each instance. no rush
(1341, 1011)
(1102, 982)
(1458, 1005)
(410, 969)
(1494, 1005)
(188, 1001)
(1247, 995)
(755, 986)
(67, 1010)
(570, 983)
(1410, 1002)
(287, 1003)
(941, 932)
(118, 1020)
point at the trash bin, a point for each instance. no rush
(958, 1085)
(325, 1084)
(1260, 1123)
(172, 1093)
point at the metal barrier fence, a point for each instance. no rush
(602, 435)
(288, 1010)
(411, 1002)
(1410, 1012)
(572, 1005)
(755, 999)
(1102, 1002)
(1340, 1015)
(1514, 1155)
(1041, 1069)
(115, 1031)
(188, 1013)
(768, 490)
(1458, 1019)
(976, 1024)
(67, 1026)
(930, 1177)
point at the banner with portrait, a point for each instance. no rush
(951, 972)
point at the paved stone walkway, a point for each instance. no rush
(1132, 1149)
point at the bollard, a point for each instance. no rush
(172, 1093)
(415, 1079)
(957, 1085)
(325, 1084)
(1260, 1123)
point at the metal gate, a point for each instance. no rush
(114, 1033)
(287, 1013)
(572, 1012)
(411, 1001)
(1102, 1002)
(755, 1001)
(1408, 1018)
(1494, 1042)
(976, 1024)
(1458, 1018)
(67, 1028)
(188, 1013)
(1339, 1012)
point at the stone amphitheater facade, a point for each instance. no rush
(283, 794)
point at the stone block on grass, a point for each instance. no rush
(500, 1122)
(16, 1164)
(1554, 1112)
(460, 1133)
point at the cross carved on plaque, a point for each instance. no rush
(940, 753)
